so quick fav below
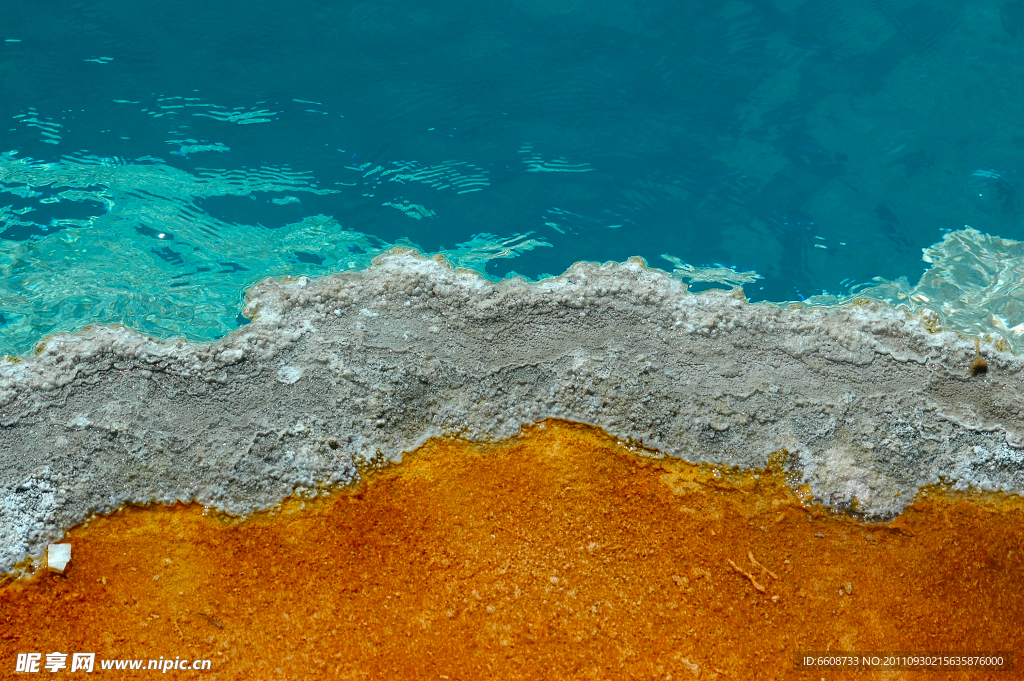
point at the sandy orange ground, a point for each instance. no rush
(559, 555)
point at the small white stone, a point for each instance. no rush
(289, 375)
(79, 423)
(57, 556)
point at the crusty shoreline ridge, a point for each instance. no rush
(372, 363)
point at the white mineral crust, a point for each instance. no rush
(372, 363)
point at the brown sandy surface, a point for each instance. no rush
(559, 555)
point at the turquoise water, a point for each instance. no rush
(160, 158)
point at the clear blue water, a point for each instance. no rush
(162, 157)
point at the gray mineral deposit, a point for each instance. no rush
(871, 402)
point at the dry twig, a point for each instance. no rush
(750, 555)
(211, 619)
(747, 575)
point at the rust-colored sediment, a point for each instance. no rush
(559, 555)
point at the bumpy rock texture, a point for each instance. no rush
(870, 404)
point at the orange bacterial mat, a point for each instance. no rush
(558, 555)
